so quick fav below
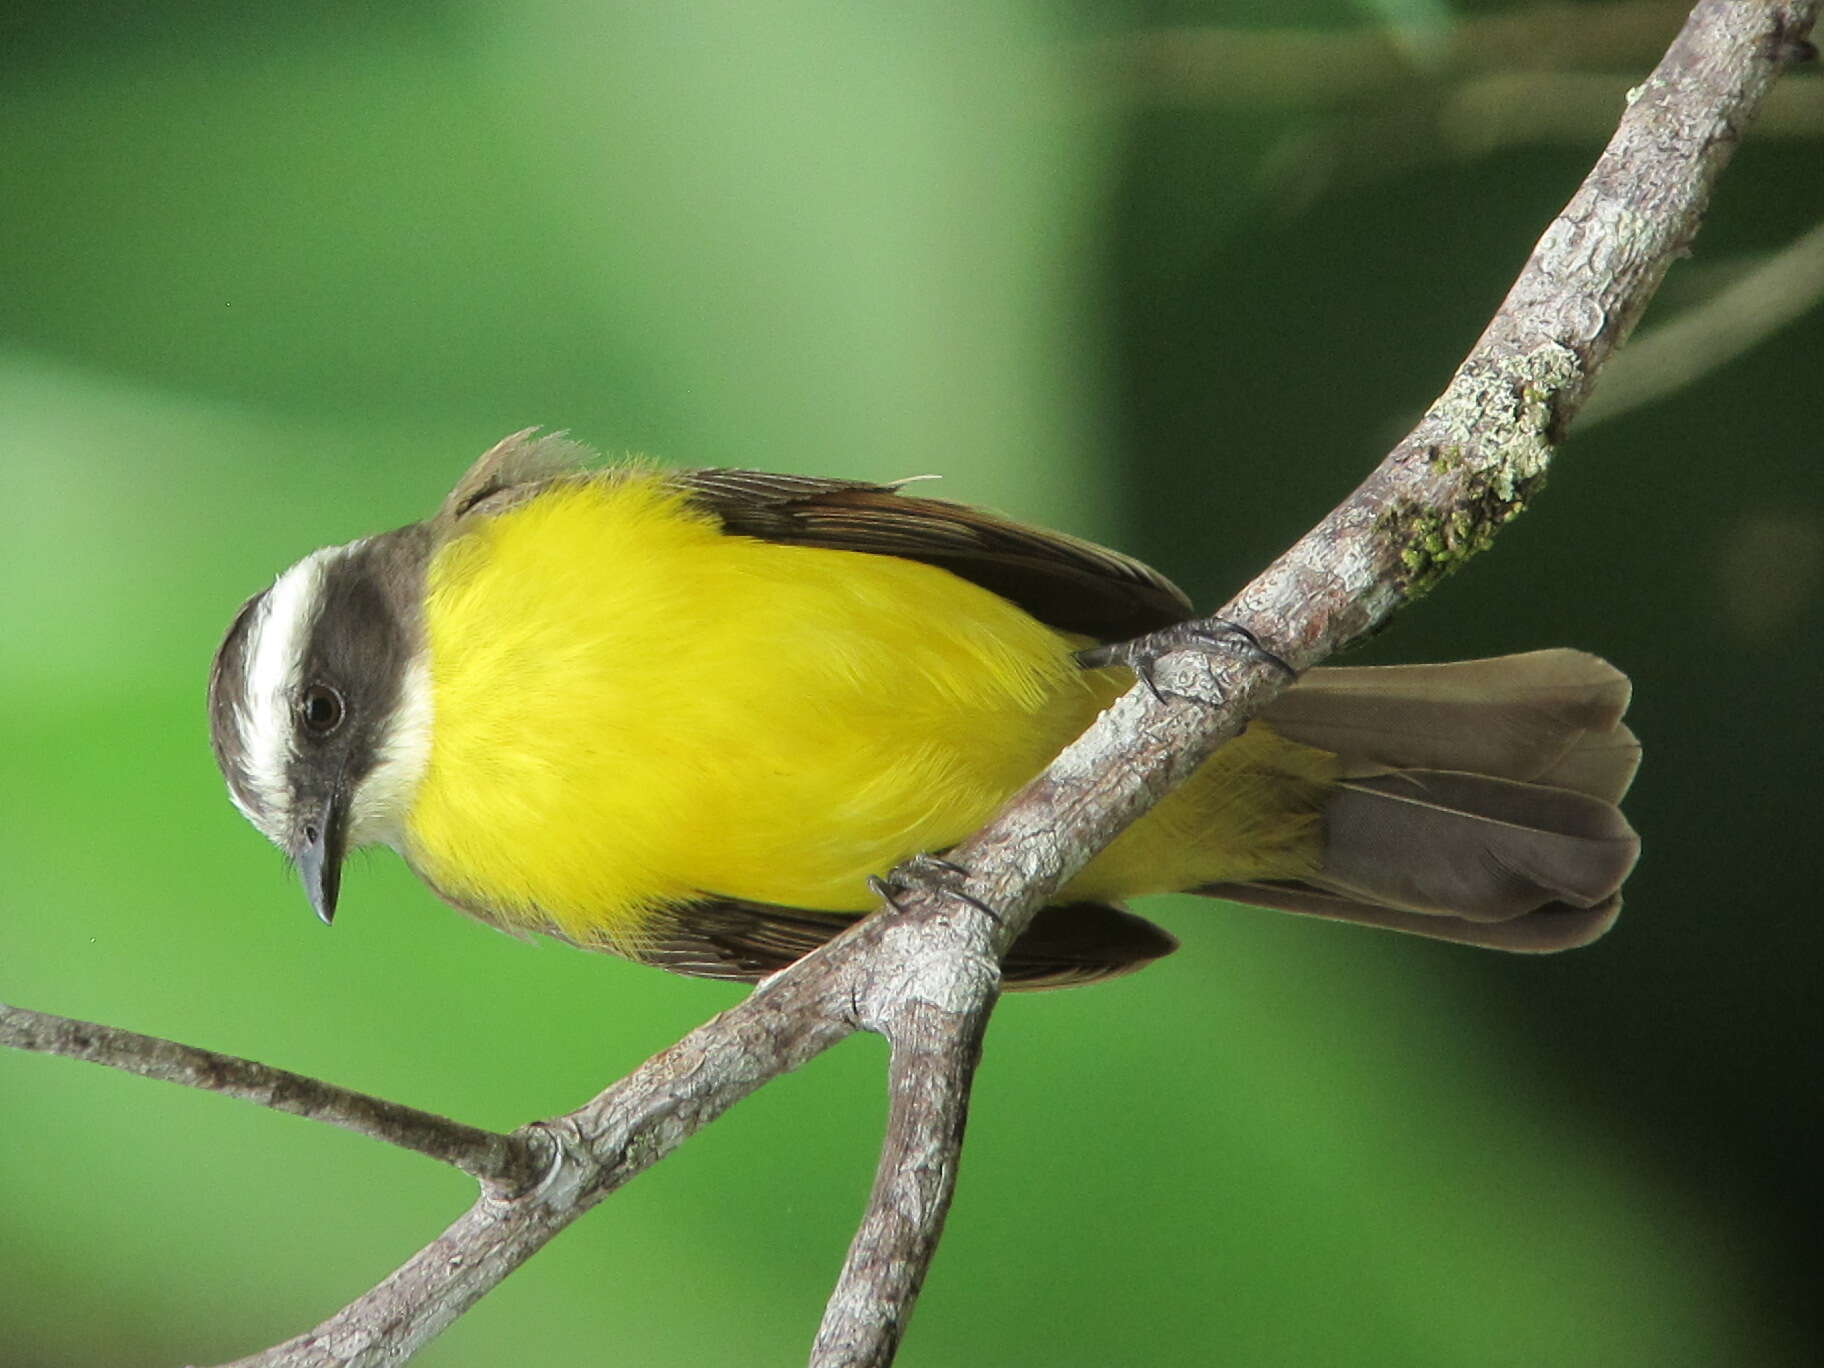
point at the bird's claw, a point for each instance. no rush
(931, 871)
(1142, 654)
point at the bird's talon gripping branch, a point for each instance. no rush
(928, 871)
(1143, 654)
(934, 869)
(950, 868)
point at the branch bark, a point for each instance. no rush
(925, 974)
(1706, 337)
(935, 1052)
(498, 1161)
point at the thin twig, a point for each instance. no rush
(595, 1149)
(501, 1162)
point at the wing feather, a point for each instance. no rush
(1065, 582)
(729, 938)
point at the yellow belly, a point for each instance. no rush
(631, 709)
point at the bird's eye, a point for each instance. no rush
(320, 709)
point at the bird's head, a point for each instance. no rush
(320, 706)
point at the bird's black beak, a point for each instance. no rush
(320, 858)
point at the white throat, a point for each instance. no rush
(380, 802)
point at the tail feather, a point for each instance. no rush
(1600, 764)
(1478, 802)
(1465, 845)
(1549, 928)
(1511, 717)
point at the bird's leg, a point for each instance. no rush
(927, 871)
(1143, 653)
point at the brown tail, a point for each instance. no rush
(1478, 799)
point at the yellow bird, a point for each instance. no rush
(686, 716)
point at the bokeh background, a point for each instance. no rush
(1170, 275)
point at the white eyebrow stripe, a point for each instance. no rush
(276, 641)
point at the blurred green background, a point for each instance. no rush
(1160, 274)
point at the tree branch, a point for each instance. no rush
(925, 974)
(928, 1081)
(617, 1135)
(1470, 466)
(501, 1162)
(1707, 336)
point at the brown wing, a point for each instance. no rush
(726, 938)
(1070, 584)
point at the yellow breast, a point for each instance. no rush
(632, 709)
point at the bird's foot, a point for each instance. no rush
(926, 871)
(1209, 635)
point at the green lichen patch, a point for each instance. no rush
(1431, 544)
(1492, 435)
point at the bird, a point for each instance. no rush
(693, 717)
